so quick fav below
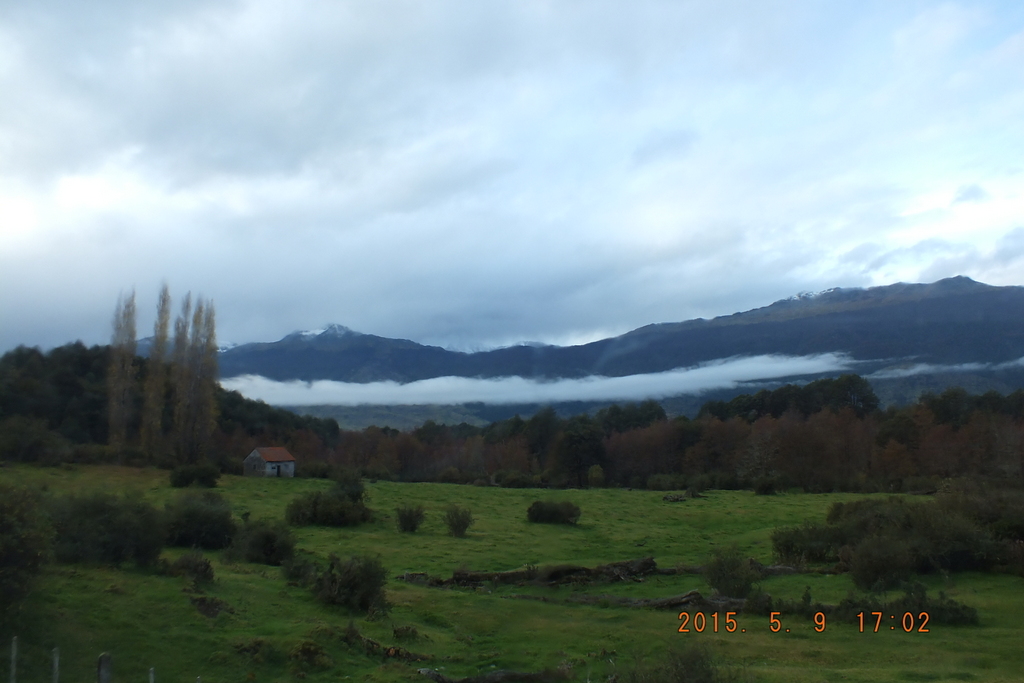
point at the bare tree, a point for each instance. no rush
(121, 373)
(155, 389)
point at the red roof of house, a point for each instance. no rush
(275, 454)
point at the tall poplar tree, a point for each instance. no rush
(121, 373)
(195, 375)
(155, 388)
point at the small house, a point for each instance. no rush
(269, 462)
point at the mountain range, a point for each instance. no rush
(949, 322)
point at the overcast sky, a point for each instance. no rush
(472, 174)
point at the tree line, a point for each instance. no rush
(76, 403)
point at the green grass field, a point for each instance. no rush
(147, 620)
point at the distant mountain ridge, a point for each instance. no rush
(949, 322)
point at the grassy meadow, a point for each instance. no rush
(148, 620)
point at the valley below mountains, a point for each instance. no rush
(905, 338)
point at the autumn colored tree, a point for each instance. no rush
(121, 373)
(195, 376)
(155, 388)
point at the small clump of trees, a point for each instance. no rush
(344, 504)
(882, 543)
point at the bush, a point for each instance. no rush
(24, 538)
(262, 541)
(595, 476)
(405, 633)
(764, 487)
(510, 479)
(941, 611)
(880, 563)
(204, 474)
(458, 520)
(106, 529)
(193, 565)
(808, 543)
(300, 568)
(30, 440)
(552, 512)
(350, 485)
(692, 663)
(317, 469)
(326, 508)
(356, 583)
(731, 574)
(308, 654)
(199, 521)
(410, 517)
(886, 540)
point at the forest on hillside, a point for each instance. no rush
(828, 435)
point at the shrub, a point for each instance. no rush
(106, 529)
(24, 537)
(309, 654)
(595, 476)
(405, 633)
(410, 517)
(317, 469)
(203, 474)
(326, 508)
(935, 537)
(807, 543)
(356, 583)
(30, 440)
(193, 565)
(300, 568)
(942, 610)
(199, 520)
(764, 487)
(880, 563)
(511, 479)
(692, 663)
(451, 475)
(350, 485)
(262, 541)
(458, 520)
(729, 573)
(552, 512)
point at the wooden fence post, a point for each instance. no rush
(14, 659)
(103, 668)
(56, 664)
(152, 675)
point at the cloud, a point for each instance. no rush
(453, 390)
(932, 369)
(970, 193)
(472, 176)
